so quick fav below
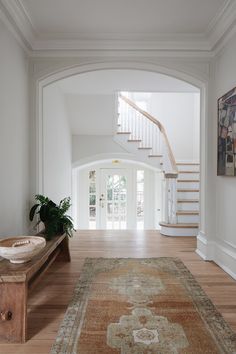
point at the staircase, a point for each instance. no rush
(145, 137)
(187, 210)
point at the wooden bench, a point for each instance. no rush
(16, 280)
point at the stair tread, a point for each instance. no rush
(180, 225)
(188, 163)
(144, 148)
(188, 180)
(187, 212)
(123, 133)
(184, 171)
(188, 201)
(134, 140)
(155, 155)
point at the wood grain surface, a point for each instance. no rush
(49, 299)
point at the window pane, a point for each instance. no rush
(92, 199)
(140, 176)
(140, 199)
(109, 194)
(92, 176)
(92, 188)
(92, 212)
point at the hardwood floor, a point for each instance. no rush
(49, 299)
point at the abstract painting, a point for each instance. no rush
(226, 161)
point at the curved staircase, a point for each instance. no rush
(187, 210)
(145, 137)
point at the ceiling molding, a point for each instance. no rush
(10, 23)
(220, 27)
(222, 24)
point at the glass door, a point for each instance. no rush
(113, 200)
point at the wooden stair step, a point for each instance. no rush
(123, 133)
(187, 212)
(155, 155)
(188, 180)
(144, 148)
(188, 164)
(134, 140)
(188, 201)
(180, 225)
(188, 171)
(187, 190)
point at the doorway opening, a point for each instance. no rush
(120, 197)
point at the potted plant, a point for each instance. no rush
(54, 216)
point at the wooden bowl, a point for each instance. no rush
(21, 249)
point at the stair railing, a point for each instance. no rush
(150, 132)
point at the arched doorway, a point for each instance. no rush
(77, 70)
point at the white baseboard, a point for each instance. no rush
(205, 248)
(222, 253)
(225, 257)
(201, 254)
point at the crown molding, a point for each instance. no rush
(219, 29)
(9, 22)
(191, 54)
(15, 13)
(222, 25)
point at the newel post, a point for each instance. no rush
(170, 198)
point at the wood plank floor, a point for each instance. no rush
(49, 299)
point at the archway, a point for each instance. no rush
(54, 76)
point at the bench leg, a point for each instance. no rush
(13, 312)
(64, 255)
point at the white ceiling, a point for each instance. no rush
(89, 18)
(90, 100)
(123, 24)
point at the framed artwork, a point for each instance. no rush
(226, 158)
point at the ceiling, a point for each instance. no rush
(110, 24)
(90, 18)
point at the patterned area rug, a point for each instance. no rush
(141, 306)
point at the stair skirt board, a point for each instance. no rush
(178, 231)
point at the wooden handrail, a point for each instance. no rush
(160, 126)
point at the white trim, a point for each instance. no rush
(178, 232)
(223, 25)
(107, 157)
(226, 259)
(205, 248)
(219, 26)
(215, 251)
(13, 28)
(201, 254)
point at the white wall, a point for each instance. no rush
(91, 114)
(179, 112)
(57, 145)
(14, 136)
(85, 146)
(225, 248)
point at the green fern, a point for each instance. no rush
(53, 216)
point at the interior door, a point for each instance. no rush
(114, 199)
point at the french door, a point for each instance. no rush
(114, 200)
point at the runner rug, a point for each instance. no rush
(141, 306)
